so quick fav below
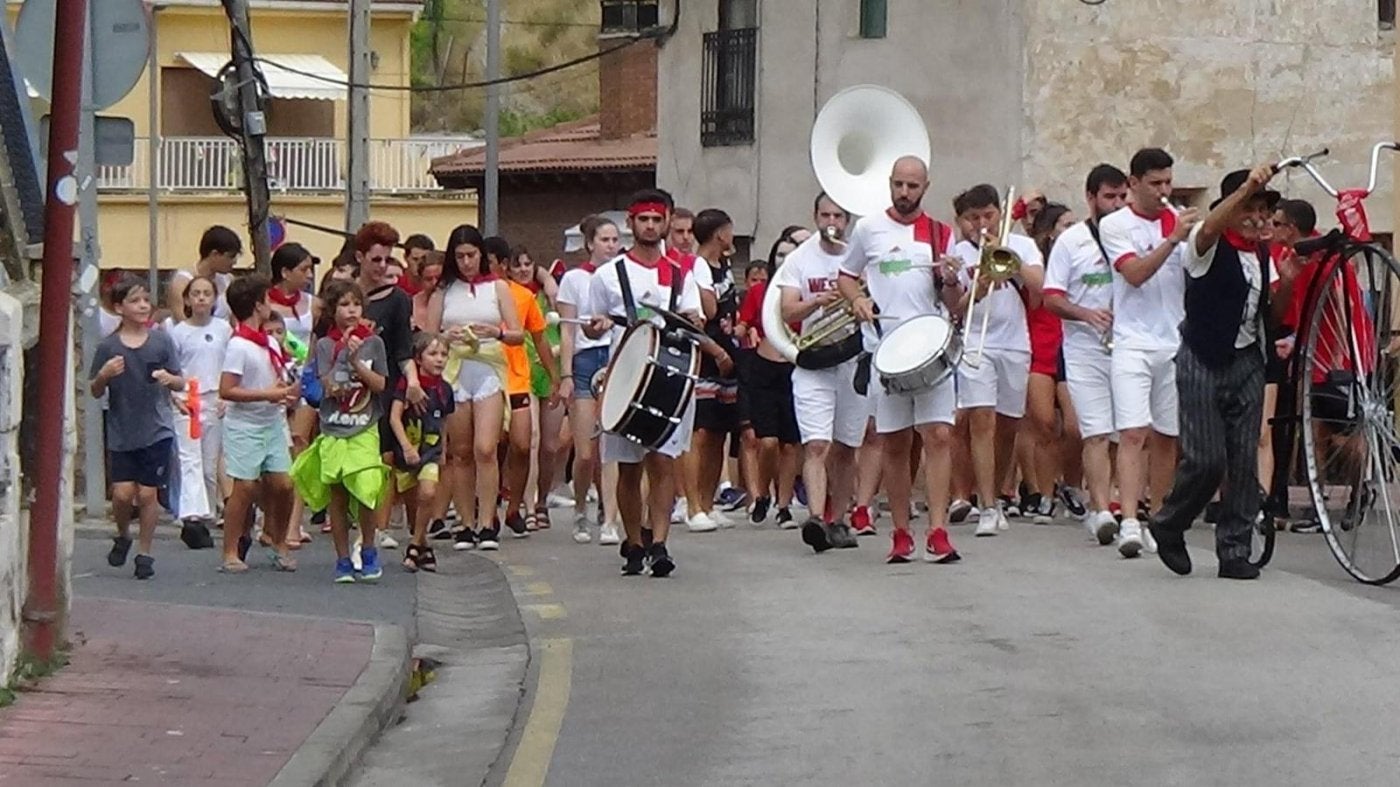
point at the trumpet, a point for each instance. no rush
(997, 263)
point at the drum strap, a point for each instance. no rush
(629, 302)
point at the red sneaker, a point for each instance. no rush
(1116, 509)
(828, 515)
(861, 522)
(938, 549)
(902, 547)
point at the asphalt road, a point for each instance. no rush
(1040, 659)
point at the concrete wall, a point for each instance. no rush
(1036, 92)
(12, 526)
(943, 56)
(1226, 85)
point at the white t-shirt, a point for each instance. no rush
(1006, 318)
(811, 271)
(1078, 270)
(898, 268)
(1147, 317)
(256, 372)
(221, 283)
(1198, 265)
(647, 286)
(573, 290)
(201, 350)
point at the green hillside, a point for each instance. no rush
(449, 47)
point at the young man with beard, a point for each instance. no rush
(1079, 288)
(903, 254)
(831, 415)
(1143, 242)
(1220, 370)
(651, 278)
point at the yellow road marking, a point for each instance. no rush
(547, 611)
(521, 571)
(530, 765)
(538, 589)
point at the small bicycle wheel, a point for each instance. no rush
(1347, 402)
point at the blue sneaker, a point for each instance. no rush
(369, 565)
(799, 490)
(732, 499)
(344, 571)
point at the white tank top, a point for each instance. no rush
(300, 326)
(464, 304)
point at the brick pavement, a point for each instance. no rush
(169, 694)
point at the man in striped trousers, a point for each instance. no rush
(1231, 290)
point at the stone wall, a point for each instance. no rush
(13, 526)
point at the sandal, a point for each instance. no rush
(531, 523)
(288, 564)
(427, 561)
(542, 517)
(412, 555)
(233, 567)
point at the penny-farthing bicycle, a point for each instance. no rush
(1344, 377)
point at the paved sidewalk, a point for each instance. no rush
(169, 694)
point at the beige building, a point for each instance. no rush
(198, 172)
(1025, 92)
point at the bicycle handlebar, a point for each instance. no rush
(1305, 163)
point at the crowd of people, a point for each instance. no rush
(457, 390)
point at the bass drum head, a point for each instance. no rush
(911, 344)
(628, 367)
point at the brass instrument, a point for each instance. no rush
(838, 320)
(997, 263)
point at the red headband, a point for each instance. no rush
(646, 207)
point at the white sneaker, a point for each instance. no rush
(1149, 544)
(1103, 527)
(959, 511)
(974, 515)
(581, 525)
(702, 522)
(1003, 524)
(386, 541)
(559, 501)
(1130, 538)
(592, 496)
(725, 522)
(987, 524)
(355, 558)
(680, 512)
(608, 535)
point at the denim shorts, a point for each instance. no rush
(587, 364)
(250, 451)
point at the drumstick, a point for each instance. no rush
(554, 318)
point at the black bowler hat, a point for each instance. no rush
(1232, 183)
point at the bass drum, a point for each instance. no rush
(917, 355)
(650, 381)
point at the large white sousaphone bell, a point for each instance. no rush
(857, 137)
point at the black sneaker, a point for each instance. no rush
(516, 523)
(1010, 507)
(121, 545)
(145, 566)
(760, 510)
(1171, 550)
(1310, 526)
(463, 539)
(490, 538)
(1212, 512)
(839, 535)
(1235, 568)
(784, 518)
(245, 543)
(318, 518)
(661, 563)
(196, 535)
(439, 531)
(636, 560)
(815, 536)
(1144, 511)
(646, 537)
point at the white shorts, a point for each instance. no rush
(896, 412)
(615, 448)
(475, 382)
(1144, 389)
(828, 407)
(999, 381)
(1089, 376)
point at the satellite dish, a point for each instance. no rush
(119, 34)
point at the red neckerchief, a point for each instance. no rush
(428, 382)
(361, 331)
(588, 267)
(1239, 242)
(1166, 218)
(663, 272)
(480, 278)
(260, 338)
(282, 298)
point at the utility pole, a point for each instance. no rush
(42, 610)
(491, 198)
(252, 126)
(357, 207)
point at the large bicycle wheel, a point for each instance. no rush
(1348, 411)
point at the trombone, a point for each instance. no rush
(997, 263)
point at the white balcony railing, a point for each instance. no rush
(295, 165)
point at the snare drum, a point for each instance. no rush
(649, 384)
(917, 355)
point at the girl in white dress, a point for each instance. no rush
(200, 340)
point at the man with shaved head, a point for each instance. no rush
(904, 255)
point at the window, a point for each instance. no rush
(872, 18)
(630, 16)
(737, 14)
(1387, 14)
(727, 89)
